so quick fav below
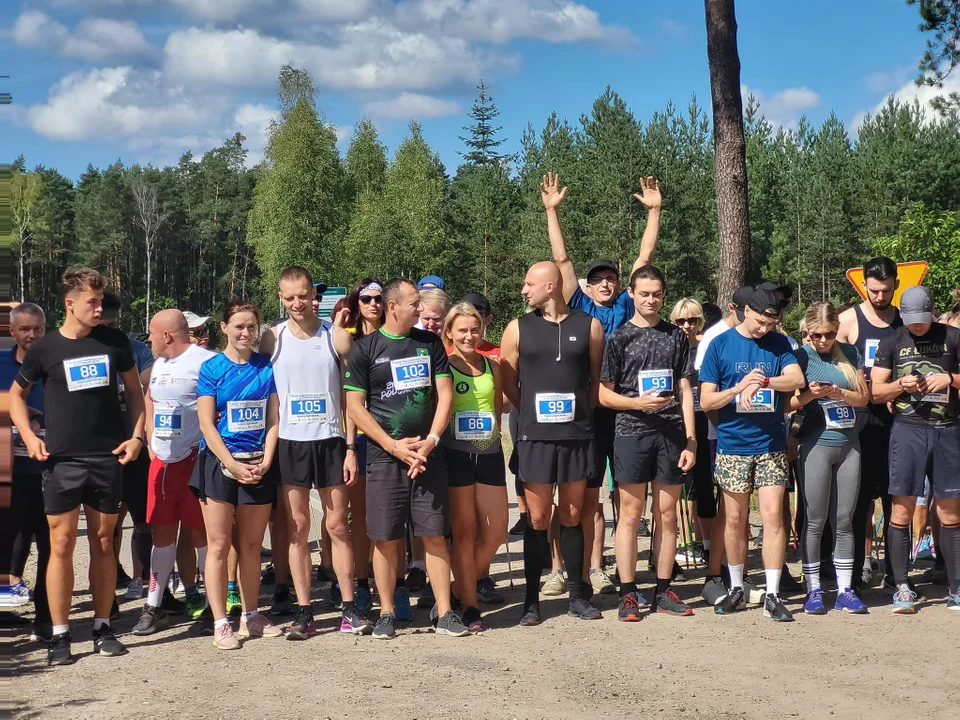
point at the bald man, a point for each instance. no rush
(173, 434)
(550, 363)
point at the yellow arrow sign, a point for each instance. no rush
(909, 274)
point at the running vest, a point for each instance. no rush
(473, 426)
(868, 339)
(307, 373)
(554, 371)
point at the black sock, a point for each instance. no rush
(536, 549)
(348, 606)
(143, 546)
(662, 585)
(627, 587)
(363, 583)
(899, 549)
(571, 550)
(950, 549)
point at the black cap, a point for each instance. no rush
(765, 302)
(784, 290)
(479, 302)
(603, 265)
(321, 287)
(740, 299)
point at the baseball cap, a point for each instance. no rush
(773, 287)
(916, 305)
(602, 265)
(433, 280)
(740, 299)
(479, 302)
(765, 302)
(321, 287)
(194, 321)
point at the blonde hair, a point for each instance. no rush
(824, 313)
(952, 317)
(688, 307)
(458, 311)
(435, 299)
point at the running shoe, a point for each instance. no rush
(904, 600)
(134, 590)
(774, 608)
(302, 626)
(814, 603)
(677, 574)
(23, 590)
(11, 597)
(234, 603)
(224, 638)
(195, 605)
(363, 601)
(384, 629)
(953, 601)
(402, 610)
(669, 603)
(416, 579)
(629, 608)
(713, 591)
(258, 627)
(554, 585)
(451, 624)
(152, 619)
(520, 527)
(265, 553)
(924, 549)
(602, 585)
(891, 587)
(58, 651)
(731, 602)
(105, 642)
(581, 608)
(282, 604)
(173, 582)
(849, 602)
(752, 593)
(172, 605)
(426, 599)
(122, 578)
(643, 529)
(268, 576)
(487, 592)
(473, 620)
(336, 597)
(355, 624)
(789, 584)
(41, 632)
(531, 615)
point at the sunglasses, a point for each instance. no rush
(367, 299)
(199, 333)
(816, 337)
(597, 280)
(687, 321)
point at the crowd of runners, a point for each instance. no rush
(392, 412)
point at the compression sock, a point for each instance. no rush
(844, 568)
(811, 571)
(161, 565)
(627, 587)
(773, 581)
(736, 576)
(899, 548)
(571, 550)
(950, 549)
(143, 546)
(536, 549)
(662, 585)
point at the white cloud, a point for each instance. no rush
(407, 106)
(785, 107)
(910, 93)
(254, 122)
(93, 39)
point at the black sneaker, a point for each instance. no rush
(733, 602)
(670, 604)
(416, 579)
(643, 529)
(487, 592)
(789, 584)
(302, 626)
(106, 643)
(581, 608)
(426, 598)
(268, 576)
(629, 609)
(531, 615)
(151, 620)
(41, 632)
(384, 629)
(473, 620)
(58, 651)
(519, 528)
(336, 597)
(677, 574)
(122, 578)
(281, 604)
(171, 604)
(773, 608)
(452, 624)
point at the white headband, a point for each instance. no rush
(371, 286)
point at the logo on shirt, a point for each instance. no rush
(462, 388)
(422, 351)
(572, 338)
(745, 367)
(381, 361)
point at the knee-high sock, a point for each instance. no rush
(571, 550)
(950, 548)
(161, 565)
(536, 549)
(899, 552)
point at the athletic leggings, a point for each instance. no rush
(831, 480)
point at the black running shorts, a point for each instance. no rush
(312, 463)
(69, 483)
(466, 469)
(701, 487)
(875, 458)
(135, 476)
(604, 431)
(394, 499)
(208, 481)
(917, 453)
(650, 458)
(556, 463)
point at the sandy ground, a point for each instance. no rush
(743, 666)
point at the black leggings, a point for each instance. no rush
(30, 525)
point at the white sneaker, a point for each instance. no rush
(554, 585)
(601, 582)
(134, 590)
(752, 592)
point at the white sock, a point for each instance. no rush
(844, 569)
(100, 622)
(706, 544)
(811, 572)
(202, 561)
(736, 576)
(248, 616)
(420, 565)
(773, 581)
(162, 560)
(61, 629)
(217, 624)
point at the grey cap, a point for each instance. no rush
(916, 305)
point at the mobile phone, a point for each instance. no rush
(663, 393)
(820, 383)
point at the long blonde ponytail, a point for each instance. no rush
(821, 314)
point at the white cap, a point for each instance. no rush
(194, 321)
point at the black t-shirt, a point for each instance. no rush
(398, 374)
(936, 352)
(655, 357)
(81, 405)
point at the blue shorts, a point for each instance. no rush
(919, 452)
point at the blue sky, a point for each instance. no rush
(145, 80)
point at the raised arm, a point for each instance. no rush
(552, 196)
(651, 198)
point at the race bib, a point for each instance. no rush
(761, 402)
(870, 352)
(19, 446)
(411, 373)
(308, 408)
(473, 425)
(87, 372)
(555, 407)
(657, 381)
(838, 415)
(244, 415)
(167, 420)
(696, 400)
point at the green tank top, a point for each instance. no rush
(474, 427)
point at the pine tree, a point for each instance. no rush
(482, 141)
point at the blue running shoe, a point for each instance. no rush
(363, 601)
(814, 604)
(903, 600)
(849, 602)
(953, 601)
(924, 549)
(401, 601)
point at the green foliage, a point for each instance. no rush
(941, 19)
(482, 141)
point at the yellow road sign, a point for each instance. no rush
(909, 274)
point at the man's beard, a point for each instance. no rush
(885, 306)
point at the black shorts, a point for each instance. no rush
(604, 431)
(312, 463)
(466, 469)
(650, 458)
(875, 458)
(917, 453)
(556, 463)
(394, 499)
(69, 483)
(135, 476)
(208, 481)
(700, 486)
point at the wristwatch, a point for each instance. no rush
(435, 438)
(137, 437)
(766, 382)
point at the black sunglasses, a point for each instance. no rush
(832, 335)
(367, 299)
(686, 321)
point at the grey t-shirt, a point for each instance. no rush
(635, 356)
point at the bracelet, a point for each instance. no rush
(766, 382)
(352, 446)
(137, 437)
(435, 438)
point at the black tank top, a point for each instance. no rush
(868, 338)
(554, 376)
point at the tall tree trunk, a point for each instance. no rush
(146, 322)
(23, 262)
(733, 217)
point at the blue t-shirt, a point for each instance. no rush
(820, 368)
(729, 358)
(241, 391)
(142, 355)
(611, 317)
(9, 367)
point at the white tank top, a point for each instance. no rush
(307, 373)
(173, 388)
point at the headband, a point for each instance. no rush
(371, 286)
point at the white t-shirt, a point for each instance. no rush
(173, 388)
(713, 332)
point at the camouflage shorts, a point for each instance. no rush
(745, 473)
